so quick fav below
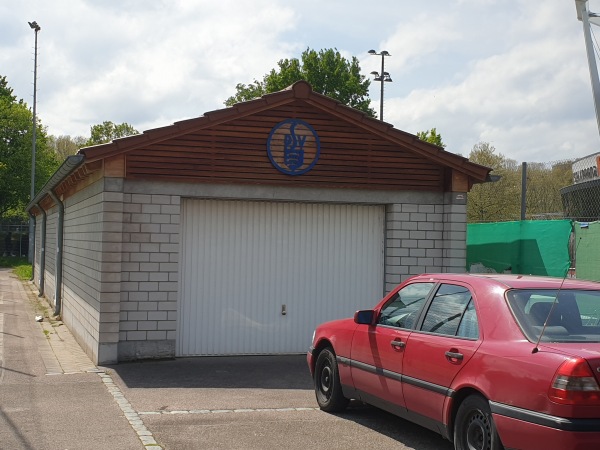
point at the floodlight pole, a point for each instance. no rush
(586, 17)
(36, 28)
(382, 77)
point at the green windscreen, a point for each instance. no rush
(532, 247)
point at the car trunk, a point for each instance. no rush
(589, 351)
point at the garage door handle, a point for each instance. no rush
(398, 344)
(453, 355)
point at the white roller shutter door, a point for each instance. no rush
(256, 277)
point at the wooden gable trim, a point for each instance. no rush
(300, 91)
(180, 128)
(407, 140)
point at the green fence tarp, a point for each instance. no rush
(587, 250)
(531, 247)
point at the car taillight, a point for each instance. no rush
(574, 383)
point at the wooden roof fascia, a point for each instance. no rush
(183, 127)
(388, 132)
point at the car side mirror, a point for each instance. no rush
(364, 317)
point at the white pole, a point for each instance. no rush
(583, 15)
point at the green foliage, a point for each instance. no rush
(327, 71)
(501, 200)
(543, 188)
(431, 136)
(498, 201)
(108, 131)
(15, 154)
(20, 266)
(65, 145)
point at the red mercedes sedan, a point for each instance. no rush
(488, 361)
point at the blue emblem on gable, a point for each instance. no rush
(293, 147)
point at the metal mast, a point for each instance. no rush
(587, 17)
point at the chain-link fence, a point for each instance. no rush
(553, 190)
(14, 239)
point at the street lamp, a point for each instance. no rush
(36, 28)
(382, 78)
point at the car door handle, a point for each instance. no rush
(398, 344)
(454, 355)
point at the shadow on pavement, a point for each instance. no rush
(382, 422)
(227, 372)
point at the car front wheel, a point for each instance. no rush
(327, 383)
(474, 427)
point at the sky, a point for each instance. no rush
(511, 73)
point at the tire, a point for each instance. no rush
(474, 427)
(328, 388)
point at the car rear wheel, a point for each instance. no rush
(328, 388)
(474, 427)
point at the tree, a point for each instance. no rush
(327, 71)
(65, 145)
(108, 131)
(431, 136)
(15, 154)
(544, 183)
(500, 200)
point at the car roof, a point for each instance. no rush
(508, 281)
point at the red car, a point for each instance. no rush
(488, 361)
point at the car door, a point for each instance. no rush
(447, 336)
(378, 349)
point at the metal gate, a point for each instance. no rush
(256, 277)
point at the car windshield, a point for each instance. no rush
(573, 316)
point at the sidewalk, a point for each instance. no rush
(52, 395)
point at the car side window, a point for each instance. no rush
(469, 326)
(452, 313)
(403, 308)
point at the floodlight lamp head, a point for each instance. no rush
(34, 25)
(385, 53)
(372, 52)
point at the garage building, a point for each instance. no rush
(237, 232)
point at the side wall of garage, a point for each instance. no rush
(92, 267)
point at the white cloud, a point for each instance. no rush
(511, 72)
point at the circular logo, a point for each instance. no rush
(293, 147)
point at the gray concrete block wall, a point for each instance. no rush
(455, 238)
(414, 233)
(92, 268)
(424, 237)
(50, 272)
(149, 286)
